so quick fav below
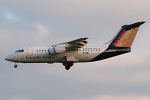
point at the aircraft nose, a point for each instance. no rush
(9, 58)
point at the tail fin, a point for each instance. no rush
(126, 35)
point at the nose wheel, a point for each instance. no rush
(15, 66)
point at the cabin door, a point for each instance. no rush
(30, 51)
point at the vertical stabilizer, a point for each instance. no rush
(121, 43)
(126, 35)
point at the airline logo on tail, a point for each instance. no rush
(119, 38)
(126, 35)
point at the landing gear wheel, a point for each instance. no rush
(15, 66)
(67, 67)
(68, 64)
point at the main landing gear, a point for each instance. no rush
(68, 64)
(15, 66)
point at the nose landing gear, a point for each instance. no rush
(15, 66)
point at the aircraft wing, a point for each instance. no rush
(74, 44)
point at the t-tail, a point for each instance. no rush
(121, 43)
(126, 35)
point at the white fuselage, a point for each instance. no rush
(41, 55)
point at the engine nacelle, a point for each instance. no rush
(51, 51)
(59, 49)
(56, 50)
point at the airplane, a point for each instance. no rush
(76, 51)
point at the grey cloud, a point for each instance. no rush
(94, 14)
(74, 84)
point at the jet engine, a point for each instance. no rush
(56, 50)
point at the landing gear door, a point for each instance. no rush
(70, 58)
(29, 51)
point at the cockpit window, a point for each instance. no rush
(19, 51)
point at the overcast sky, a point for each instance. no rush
(26, 23)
